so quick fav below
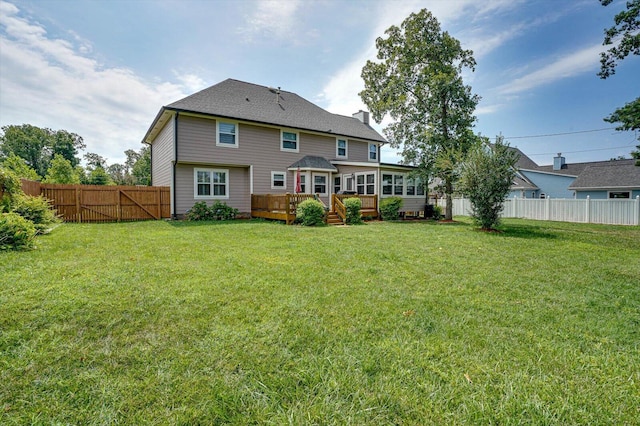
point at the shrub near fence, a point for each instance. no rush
(609, 212)
(99, 203)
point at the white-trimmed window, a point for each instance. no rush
(303, 183)
(289, 141)
(342, 148)
(337, 184)
(366, 184)
(278, 180)
(387, 184)
(398, 184)
(320, 184)
(373, 152)
(211, 183)
(226, 134)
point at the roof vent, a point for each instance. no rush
(277, 92)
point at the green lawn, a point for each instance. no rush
(261, 323)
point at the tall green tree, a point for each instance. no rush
(61, 171)
(624, 39)
(37, 146)
(20, 167)
(28, 142)
(418, 82)
(141, 170)
(486, 176)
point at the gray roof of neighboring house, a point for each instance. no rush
(523, 162)
(519, 182)
(251, 102)
(608, 174)
(313, 162)
(575, 169)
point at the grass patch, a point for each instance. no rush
(256, 322)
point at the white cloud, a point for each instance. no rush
(271, 19)
(51, 82)
(564, 67)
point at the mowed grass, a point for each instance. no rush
(261, 323)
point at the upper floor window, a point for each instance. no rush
(373, 152)
(211, 183)
(289, 142)
(227, 134)
(341, 148)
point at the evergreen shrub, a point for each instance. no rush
(390, 208)
(310, 213)
(353, 207)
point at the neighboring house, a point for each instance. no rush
(612, 179)
(235, 139)
(598, 179)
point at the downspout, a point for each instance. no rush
(175, 162)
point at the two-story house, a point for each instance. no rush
(235, 139)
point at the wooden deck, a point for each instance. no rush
(284, 206)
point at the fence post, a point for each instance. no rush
(636, 220)
(588, 211)
(118, 206)
(78, 211)
(547, 210)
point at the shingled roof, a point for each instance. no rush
(260, 104)
(609, 174)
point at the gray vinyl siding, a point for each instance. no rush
(162, 152)
(358, 151)
(239, 196)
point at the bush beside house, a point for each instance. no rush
(390, 208)
(22, 216)
(310, 213)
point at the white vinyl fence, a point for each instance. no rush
(611, 211)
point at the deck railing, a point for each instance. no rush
(284, 206)
(339, 208)
(277, 206)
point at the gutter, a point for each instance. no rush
(175, 162)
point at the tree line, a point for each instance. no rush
(53, 156)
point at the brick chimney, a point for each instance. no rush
(361, 115)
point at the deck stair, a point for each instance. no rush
(333, 219)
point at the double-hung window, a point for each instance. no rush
(373, 152)
(336, 184)
(211, 183)
(320, 184)
(303, 183)
(278, 180)
(366, 184)
(387, 184)
(411, 186)
(227, 134)
(341, 148)
(398, 184)
(289, 142)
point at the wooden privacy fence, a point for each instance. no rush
(104, 203)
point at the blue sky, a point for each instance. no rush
(103, 69)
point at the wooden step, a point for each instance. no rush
(333, 219)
